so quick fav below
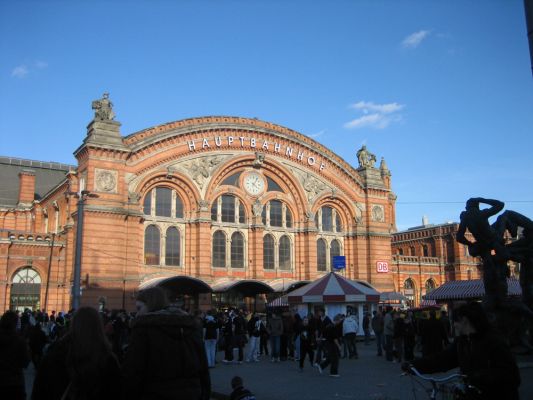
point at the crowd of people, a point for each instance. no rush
(161, 350)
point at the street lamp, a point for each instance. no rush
(76, 288)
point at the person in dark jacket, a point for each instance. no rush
(307, 342)
(14, 356)
(480, 353)
(239, 392)
(80, 365)
(433, 335)
(37, 340)
(166, 357)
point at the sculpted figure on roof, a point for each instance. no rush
(103, 109)
(365, 158)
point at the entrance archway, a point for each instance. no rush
(25, 290)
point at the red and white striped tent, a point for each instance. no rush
(465, 290)
(334, 288)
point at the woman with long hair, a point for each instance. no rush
(81, 365)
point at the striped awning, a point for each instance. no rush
(279, 302)
(333, 288)
(471, 289)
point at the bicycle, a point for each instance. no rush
(451, 387)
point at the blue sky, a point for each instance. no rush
(442, 89)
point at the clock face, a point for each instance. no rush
(254, 183)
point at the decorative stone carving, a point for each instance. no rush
(105, 180)
(309, 215)
(200, 169)
(134, 197)
(378, 213)
(366, 159)
(203, 205)
(313, 186)
(359, 209)
(103, 109)
(259, 159)
(257, 208)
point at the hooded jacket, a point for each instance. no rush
(166, 358)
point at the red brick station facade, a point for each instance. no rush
(235, 205)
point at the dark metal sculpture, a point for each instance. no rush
(509, 238)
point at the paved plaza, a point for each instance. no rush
(367, 378)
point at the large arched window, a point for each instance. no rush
(327, 219)
(172, 250)
(321, 257)
(277, 214)
(430, 285)
(285, 253)
(152, 243)
(237, 250)
(409, 292)
(219, 249)
(228, 208)
(335, 250)
(167, 203)
(268, 252)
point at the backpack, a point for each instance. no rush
(210, 330)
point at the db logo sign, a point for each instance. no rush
(382, 266)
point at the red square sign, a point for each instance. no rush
(382, 266)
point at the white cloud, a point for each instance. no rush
(315, 135)
(367, 106)
(41, 64)
(376, 116)
(413, 40)
(20, 72)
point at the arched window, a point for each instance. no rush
(425, 250)
(268, 252)
(409, 292)
(27, 275)
(179, 207)
(152, 243)
(276, 213)
(338, 223)
(172, 251)
(400, 252)
(167, 203)
(219, 249)
(288, 218)
(334, 251)
(228, 208)
(224, 210)
(430, 285)
(327, 219)
(237, 250)
(321, 258)
(163, 202)
(413, 251)
(284, 253)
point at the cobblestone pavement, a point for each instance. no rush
(367, 378)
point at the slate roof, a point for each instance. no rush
(48, 175)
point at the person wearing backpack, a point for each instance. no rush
(210, 338)
(166, 355)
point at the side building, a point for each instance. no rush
(426, 256)
(232, 205)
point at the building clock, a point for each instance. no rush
(254, 184)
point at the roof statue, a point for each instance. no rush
(366, 159)
(497, 244)
(103, 109)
